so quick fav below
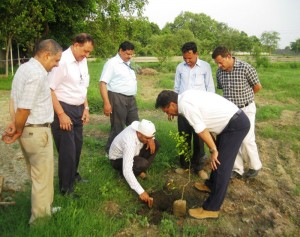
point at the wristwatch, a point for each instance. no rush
(212, 150)
(87, 108)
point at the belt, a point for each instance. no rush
(245, 105)
(46, 125)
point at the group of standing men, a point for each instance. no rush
(58, 101)
(50, 93)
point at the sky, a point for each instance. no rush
(251, 16)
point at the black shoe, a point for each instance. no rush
(251, 173)
(235, 175)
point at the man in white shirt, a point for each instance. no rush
(118, 88)
(68, 84)
(31, 111)
(210, 113)
(130, 154)
(195, 74)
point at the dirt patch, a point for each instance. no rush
(264, 206)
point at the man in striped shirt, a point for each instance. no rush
(239, 82)
(132, 154)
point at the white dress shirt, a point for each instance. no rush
(70, 79)
(127, 145)
(206, 110)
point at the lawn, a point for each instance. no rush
(266, 206)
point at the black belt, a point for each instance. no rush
(245, 105)
(47, 125)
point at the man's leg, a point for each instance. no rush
(184, 127)
(37, 146)
(144, 160)
(117, 117)
(228, 144)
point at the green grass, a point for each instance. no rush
(89, 215)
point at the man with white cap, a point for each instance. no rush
(130, 153)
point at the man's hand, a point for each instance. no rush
(146, 198)
(170, 117)
(10, 129)
(107, 109)
(85, 116)
(11, 138)
(151, 145)
(214, 160)
(65, 123)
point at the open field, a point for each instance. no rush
(268, 205)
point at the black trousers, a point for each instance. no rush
(228, 143)
(124, 112)
(140, 163)
(198, 153)
(68, 145)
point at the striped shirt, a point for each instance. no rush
(237, 85)
(30, 90)
(127, 145)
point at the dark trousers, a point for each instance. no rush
(198, 154)
(124, 112)
(68, 145)
(228, 143)
(140, 163)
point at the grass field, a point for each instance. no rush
(268, 206)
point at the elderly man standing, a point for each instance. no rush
(118, 87)
(69, 83)
(130, 154)
(195, 74)
(32, 113)
(239, 81)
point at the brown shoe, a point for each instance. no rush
(181, 171)
(202, 187)
(200, 213)
(142, 175)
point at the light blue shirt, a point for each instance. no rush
(198, 78)
(119, 76)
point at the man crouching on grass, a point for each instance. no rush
(210, 113)
(132, 152)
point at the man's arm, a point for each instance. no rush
(86, 112)
(64, 120)
(21, 117)
(104, 94)
(257, 88)
(209, 141)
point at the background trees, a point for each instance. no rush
(24, 22)
(295, 46)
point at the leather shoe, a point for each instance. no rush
(251, 173)
(202, 187)
(200, 213)
(235, 175)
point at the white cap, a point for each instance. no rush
(145, 127)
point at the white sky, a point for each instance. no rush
(251, 16)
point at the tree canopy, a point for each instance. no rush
(24, 22)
